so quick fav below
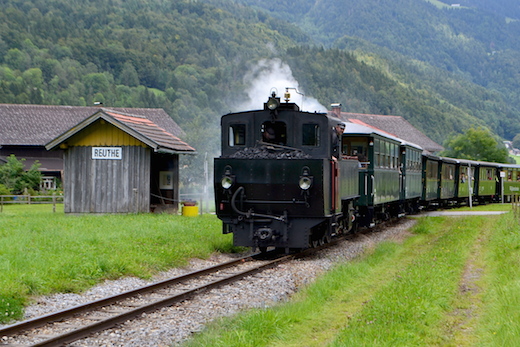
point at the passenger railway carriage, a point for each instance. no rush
(389, 173)
(510, 181)
(281, 183)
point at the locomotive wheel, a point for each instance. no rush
(262, 249)
(326, 238)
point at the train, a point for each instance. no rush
(292, 179)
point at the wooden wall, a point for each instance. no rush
(107, 186)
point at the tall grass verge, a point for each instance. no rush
(396, 295)
(500, 321)
(42, 252)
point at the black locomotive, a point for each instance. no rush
(277, 183)
(287, 179)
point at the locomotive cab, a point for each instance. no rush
(283, 126)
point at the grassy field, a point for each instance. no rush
(453, 282)
(42, 252)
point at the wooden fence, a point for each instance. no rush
(28, 199)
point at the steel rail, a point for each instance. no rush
(113, 321)
(60, 315)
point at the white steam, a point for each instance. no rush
(274, 75)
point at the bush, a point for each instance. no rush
(4, 190)
(16, 179)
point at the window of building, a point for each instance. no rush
(48, 183)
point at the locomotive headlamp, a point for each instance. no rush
(226, 182)
(305, 182)
(273, 103)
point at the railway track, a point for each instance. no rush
(66, 326)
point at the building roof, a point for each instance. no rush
(356, 128)
(137, 126)
(395, 125)
(36, 125)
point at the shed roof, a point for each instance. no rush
(396, 125)
(36, 125)
(137, 126)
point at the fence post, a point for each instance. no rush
(54, 202)
(1, 204)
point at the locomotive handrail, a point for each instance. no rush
(270, 144)
(250, 214)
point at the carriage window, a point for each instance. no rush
(463, 174)
(310, 135)
(357, 148)
(486, 174)
(431, 169)
(377, 161)
(395, 156)
(386, 164)
(274, 132)
(489, 174)
(447, 172)
(237, 135)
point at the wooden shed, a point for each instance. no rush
(119, 163)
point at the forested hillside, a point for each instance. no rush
(400, 57)
(474, 43)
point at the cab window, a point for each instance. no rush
(237, 135)
(310, 135)
(274, 132)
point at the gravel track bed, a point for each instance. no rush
(173, 325)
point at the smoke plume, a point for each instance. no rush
(274, 75)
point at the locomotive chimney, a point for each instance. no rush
(336, 109)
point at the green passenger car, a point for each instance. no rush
(380, 176)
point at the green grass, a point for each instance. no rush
(455, 282)
(500, 322)
(42, 252)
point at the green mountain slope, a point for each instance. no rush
(475, 45)
(399, 57)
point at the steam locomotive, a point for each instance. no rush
(287, 179)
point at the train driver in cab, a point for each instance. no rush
(336, 140)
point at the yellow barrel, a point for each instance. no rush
(190, 211)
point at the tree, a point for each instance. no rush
(475, 144)
(14, 177)
(516, 141)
